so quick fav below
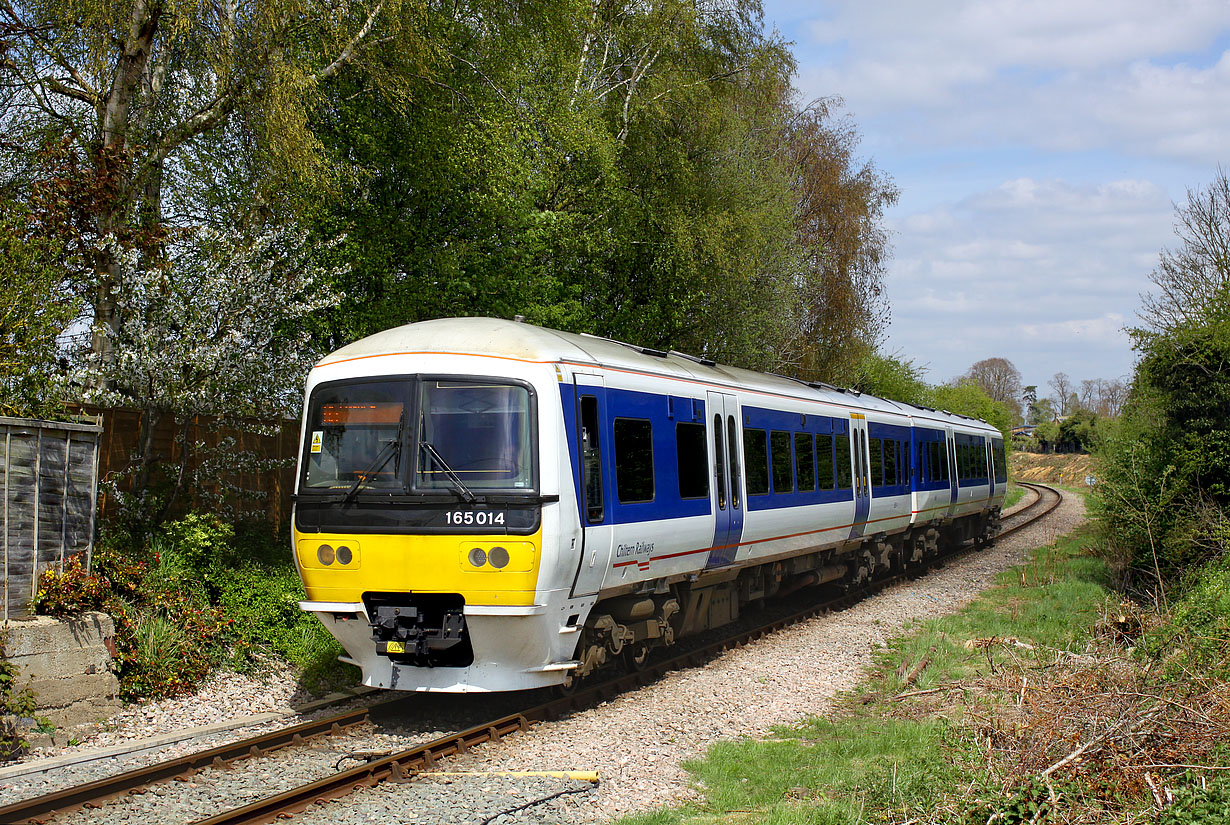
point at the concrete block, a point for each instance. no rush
(63, 664)
(41, 634)
(60, 693)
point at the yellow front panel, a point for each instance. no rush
(423, 564)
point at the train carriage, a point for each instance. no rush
(487, 505)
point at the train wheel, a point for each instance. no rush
(568, 686)
(635, 656)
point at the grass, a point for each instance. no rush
(880, 759)
(1015, 493)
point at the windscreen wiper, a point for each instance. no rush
(462, 489)
(390, 449)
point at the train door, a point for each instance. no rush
(862, 475)
(726, 498)
(954, 482)
(596, 528)
(990, 464)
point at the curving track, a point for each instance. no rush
(403, 764)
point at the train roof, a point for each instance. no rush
(526, 342)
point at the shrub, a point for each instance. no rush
(1199, 805)
(15, 703)
(205, 593)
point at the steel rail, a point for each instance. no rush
(91, 794)
(402, 766)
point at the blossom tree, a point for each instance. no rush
(214, 330)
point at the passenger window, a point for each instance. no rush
(591, 460)
(756, 459)
(1001, 462)
(805, 462)
(877, 462)
(732, 439)
(824, 461)
(633, 460)
(841, 445)
(783, 462)
(693, 460)
(890, 462)
(719, 462)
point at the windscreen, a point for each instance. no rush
(478, 434)
(355, 434)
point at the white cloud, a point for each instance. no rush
(1044, 272)
(1056, 74)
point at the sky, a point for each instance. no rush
(1040, 149)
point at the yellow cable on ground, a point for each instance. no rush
(584, 776)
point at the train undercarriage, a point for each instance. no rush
(628, 627)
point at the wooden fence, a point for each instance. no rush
(256, 492)
(57, 477)
(49, 472)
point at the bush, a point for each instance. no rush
(206, 593)
(1199, 805)
(1196, 633)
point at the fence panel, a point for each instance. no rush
(49, 473)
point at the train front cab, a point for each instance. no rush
(426, 527)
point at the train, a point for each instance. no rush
(487, 505)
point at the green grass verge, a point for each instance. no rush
(877, 760)
(1015, 494)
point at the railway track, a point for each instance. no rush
(403, 764)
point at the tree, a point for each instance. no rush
(121, 88)
(32, 316)
(1114, 394)
(638, 170)
(966, 397)
(1042, 412)
(221, 338)
(1189, 278)
(1090, 394)
(1164, 489)
(1029, 397)
(999, 379)
(839, 206)
(1062, 399)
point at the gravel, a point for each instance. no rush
(635, 742)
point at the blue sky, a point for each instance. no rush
(1039, 147)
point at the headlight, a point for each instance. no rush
(478, 557)
(325, 554)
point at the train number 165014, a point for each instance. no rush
(476, 518)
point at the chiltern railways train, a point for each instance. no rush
(485, 505)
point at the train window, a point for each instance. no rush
(1001, 462)
(733, 441)
(783, 462)
(693, 460)
(476, 435)
(719, 462)
(877, 462)
(591, 459)
(890, 461)
(939, 467)
(805, 461)
(633, 460)
(756, 459)
(824, 461)
(841, 445)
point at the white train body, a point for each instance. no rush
(485, 505)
